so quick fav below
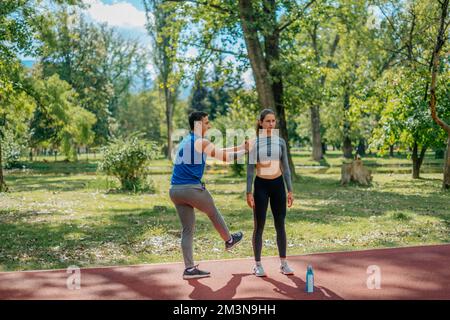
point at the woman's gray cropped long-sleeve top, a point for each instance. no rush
(268, 148)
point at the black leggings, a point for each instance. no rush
(274, 190)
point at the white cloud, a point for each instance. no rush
(119, 14)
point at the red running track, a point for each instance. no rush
(406, 273)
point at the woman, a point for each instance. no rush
(268, 155)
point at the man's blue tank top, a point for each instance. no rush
(189, 163)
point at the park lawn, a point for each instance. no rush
(54, 220)
(331, 164)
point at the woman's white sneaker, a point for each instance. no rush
(286, 270)
(259, 271)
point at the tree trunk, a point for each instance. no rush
(318, 150)
(347, 146)
(317, 153)
(440, 42)
(269, 85)
(272, 54)
(446, 182)
(324, 148)
(3, 187)
(255, 54)
(361, 147)
(391, 150)
(417, 160)
(169, 114)
(284, 134)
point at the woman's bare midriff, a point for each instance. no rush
(268, 169)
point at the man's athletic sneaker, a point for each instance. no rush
(195, 273)
(236, 237)
(286, 270)
(259, 271)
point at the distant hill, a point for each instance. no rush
(184, 94)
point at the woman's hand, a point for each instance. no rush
(290, 199)
(250, 200)
(248, 144)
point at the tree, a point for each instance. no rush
(124, 59)
(74, 50)
(409, 29)
(6, 89)
(16, 32)
(441, 39)
(265, 56)
(142, 112)
(95, 60)
(198, 101)
(17, 27)
(224, 82)
(405, 116)
(70, 124)
(355, 68)
(164, 28)
(262, 25)
(213, 90)
(16, 109)
(310, 56)
(16, 112)
(240, 116)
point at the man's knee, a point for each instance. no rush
(212, 212)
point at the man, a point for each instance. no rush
(188, 191)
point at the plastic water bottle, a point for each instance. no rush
(309, 280)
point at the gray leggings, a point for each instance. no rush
(186, 198)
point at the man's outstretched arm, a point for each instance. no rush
(224, 154)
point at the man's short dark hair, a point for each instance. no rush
(196, 116)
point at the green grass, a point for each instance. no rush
(60, 214)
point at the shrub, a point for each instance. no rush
(126, 159)
(237, 169)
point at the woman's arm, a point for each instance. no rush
(285, 166)
(250, 176)
(286, 171)
(251, 164)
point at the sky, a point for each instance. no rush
(135, 3)
(128, 18)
